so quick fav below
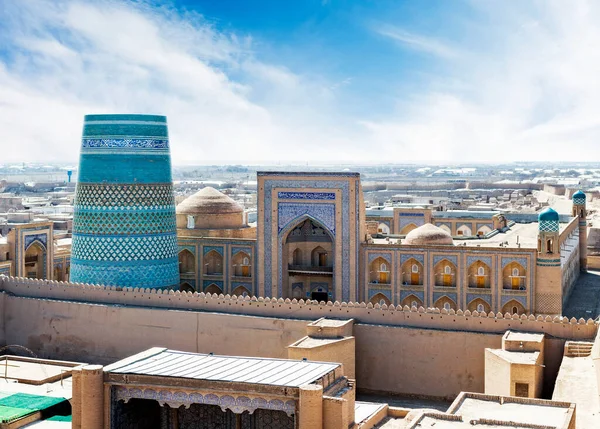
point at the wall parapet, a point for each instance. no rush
(429, 318)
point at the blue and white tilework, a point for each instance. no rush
(344, 206)
(124, 231)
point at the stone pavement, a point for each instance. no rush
(585, 298)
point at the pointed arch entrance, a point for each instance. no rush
(308, 260)
(35, 261)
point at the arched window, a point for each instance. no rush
(414, 268)
(480, 271)
(381, 301)
(480, 308)
(246, 261)
(447, 269)
(447, 306)
(383, 267)
(549, 246)
(414, 304)
(515, 272)
(515, 310)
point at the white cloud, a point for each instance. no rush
(528, 90)
(72, 57)
(417, 42)
(522, 85)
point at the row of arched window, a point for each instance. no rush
(478, 304)
(444, 274)
(212, 263)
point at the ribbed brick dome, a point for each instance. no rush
(208, 201)
(428, 234)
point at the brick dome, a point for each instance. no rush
(208, 201)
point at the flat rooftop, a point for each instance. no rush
(474, 406)
(523, 234)
(162, 362)
(524, 336)
(34, 371)
(524, 358)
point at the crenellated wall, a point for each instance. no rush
(430, 318)
(420, 352)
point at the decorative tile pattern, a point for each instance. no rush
(124, 231)
(236, 250)
(406, 293)
(151, 221)
(207, 283)
(291, 212)
(109, 197)
(40, 238)
(124, 248)
(507, 298)
(152, 274)
(451, 258)
(218, 249)
(579, 201)
(485, 297)
(375, 255)
(385, 292)
(344, 206)
(407, 220)
(438, 295)
(306, 195)
(487, 260)
(549, 226)
(418, 257)
(520, 261)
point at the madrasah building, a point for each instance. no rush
(314, 239)
(232, 358)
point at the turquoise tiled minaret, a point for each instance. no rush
(124, 231)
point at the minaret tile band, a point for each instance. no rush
(124, 230)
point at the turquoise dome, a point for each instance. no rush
(579, 194)
(548, 214)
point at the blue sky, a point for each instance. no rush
(317, 81)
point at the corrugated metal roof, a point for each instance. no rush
(172, 363)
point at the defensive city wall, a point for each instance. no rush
(399, 350)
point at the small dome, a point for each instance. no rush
(208, 201)
(428, 234)
(579, 194)
(549, 214)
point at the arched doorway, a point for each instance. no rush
(212, 289)
(186, 287)
(187, 263)
(514, 276)
(479, 305)
(412, 301)
(35, 261)
(379, 271)
(213, 263)
(412, 273)
(513, 307)
(445, 303)
(479, 275)
(240, 291)
(308, 260)
(242, 264)
(445, 273)
(380, 299)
